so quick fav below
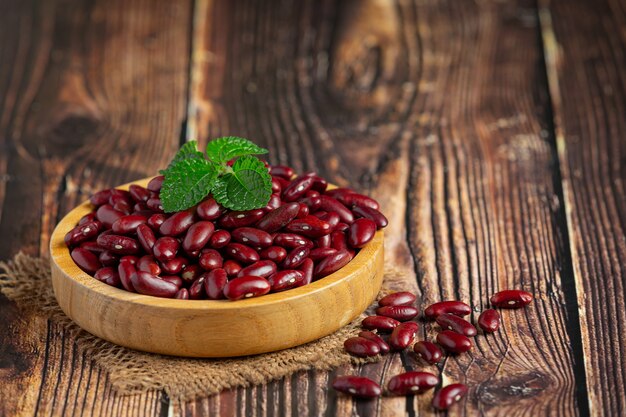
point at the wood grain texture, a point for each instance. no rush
(585, 46)
(92, 94)
(439, 109)
(246, 327)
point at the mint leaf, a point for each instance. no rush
(188, 151)
(224, 149)
(248, 187)
(187, 182)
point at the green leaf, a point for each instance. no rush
(248, 187)
(188, 151)
(224, 149)
(187, 182)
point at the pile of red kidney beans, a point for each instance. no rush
(305, 233)
(392, 329)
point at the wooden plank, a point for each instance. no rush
(585, 44)
(94, 96)
(439, 109)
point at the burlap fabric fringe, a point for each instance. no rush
(26, 281)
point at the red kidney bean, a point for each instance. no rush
(330, 204)
(242, 253)
(291, 240)
(165, 248)
(361, 232)
(234, 219)
(331, 264)
(138, 193)
(155, 184)
(144, 213)
(260, 269)
(108, 215)
(457, 308)
(246, 287)
(331, 218)
(85, 260)
(174, 266)
(307, 270)
(142, 207)
(341, 227)
(232, 268)
(381, 323)
(297, 188)
(252, 236)
(177, 223)
(357, 386)
(319, 184)
(277, 186)
(318, 254)
(92, 246)
(296, 257)
(128, 224)
(382, 345)
(146, 237)
(273, 203)
(339, 193)
(127, 271)
(303, 212)
(360, 346)
(156, 220)
(489, 320)
(214, 283)
(279, 217)
(310, 226)
(313, 202)
(448, 395)
(118, 244)
(428, 351)
(182, 294)
(511, 299)
(196, 290)
(453, 341)
(274, 253)
(108, 258)
(174, 279)
(286, 279)
(198, 235)
(193, 254)
(456, 324)
(282, 181)
(100, 198)
(400, 313)
(209, 209)
(282, 171)
(108, 275)
(413, 382)
(191, 272)
(148, 263)
(210, 259)
(154, 204)
(403, 335)
(372, 214)
(87, 218)
(323, 242)
(356, 199)
(81, 233)
(147, 284)
(121, 203)
(129, 258)
(401, 298)
(219, 239)
(338, 241)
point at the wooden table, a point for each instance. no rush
(493, 132)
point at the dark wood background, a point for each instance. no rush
(493, 131)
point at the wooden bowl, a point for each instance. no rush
(206, 328)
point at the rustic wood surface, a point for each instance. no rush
(492, 132)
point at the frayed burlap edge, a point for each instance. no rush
(26, 281)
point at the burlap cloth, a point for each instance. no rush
(26, 281)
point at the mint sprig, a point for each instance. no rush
(189, 178)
